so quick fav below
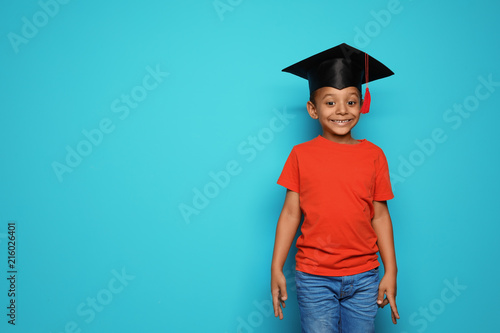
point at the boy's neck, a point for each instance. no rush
(344, 139)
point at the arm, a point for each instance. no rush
(382, 225)
(286, 229)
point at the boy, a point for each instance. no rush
(341, 185)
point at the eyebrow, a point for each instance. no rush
(334, 95)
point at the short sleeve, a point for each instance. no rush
(289, 177)
(383, 189)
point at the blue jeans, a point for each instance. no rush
(335, 304)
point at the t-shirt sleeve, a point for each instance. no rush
(289, 177)
(383, 189)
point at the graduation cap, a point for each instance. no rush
(340, 67)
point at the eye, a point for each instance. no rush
(351, 103)
(330, 103)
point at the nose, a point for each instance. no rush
(341, 109)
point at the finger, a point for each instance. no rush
(394, 308)
(283, 303)
(384, 303)
(380, 298)
(276, 305)
(284, 295)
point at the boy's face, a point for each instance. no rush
(337, 111)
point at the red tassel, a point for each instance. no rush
(365, 108)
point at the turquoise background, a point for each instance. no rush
(118, 212)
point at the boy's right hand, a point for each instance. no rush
(278, 290)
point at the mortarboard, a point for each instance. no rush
(340, 67)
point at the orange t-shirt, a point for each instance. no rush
(337, 184)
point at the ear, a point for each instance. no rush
(311, 109)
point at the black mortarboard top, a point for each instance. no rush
(340, 67)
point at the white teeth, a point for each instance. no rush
(341, 121)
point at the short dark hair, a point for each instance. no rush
(312, 97)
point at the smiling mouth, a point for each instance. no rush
(341, 121)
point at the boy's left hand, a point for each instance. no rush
(388, 287)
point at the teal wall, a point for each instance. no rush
(141, 143)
